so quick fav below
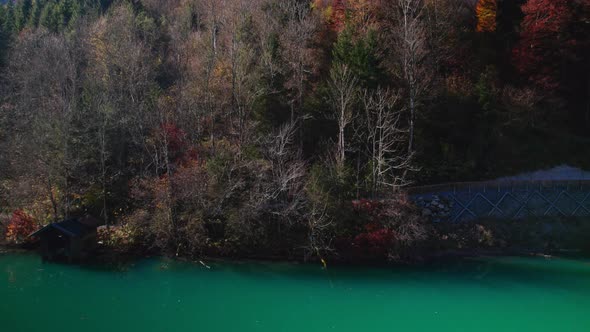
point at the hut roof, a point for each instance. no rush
(74, 227)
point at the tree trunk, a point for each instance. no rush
(412, 118)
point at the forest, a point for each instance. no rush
(283, 128)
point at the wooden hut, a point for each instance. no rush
(70, 239)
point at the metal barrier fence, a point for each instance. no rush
(506, 200)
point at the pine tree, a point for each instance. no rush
(35, 13)
(359, 54)
(2, 15)
(47, 17)
(8, 24)
(3, 35)
(61, 13)
(76, 11)
(21, 14)
(66, 13)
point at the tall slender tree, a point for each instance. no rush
(410, 53)
(343, 92)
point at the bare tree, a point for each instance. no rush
(286, 187)
(119, 85)
(278, 194)
(106, 122)
(409, 36)
(43, 73)
(296, 41)
(243, 73)
(442, 21)
(214, 19)
(319, 232)
(521, 104)
(267, 19)
(386, 140)
(343, 93)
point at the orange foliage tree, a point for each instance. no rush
(338, 13)
(20, 226)
(334, 12)
(363, 13)
(486, 11)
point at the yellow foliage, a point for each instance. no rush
(100, 51)
(362, 13)
(486, 11)
(337, 13)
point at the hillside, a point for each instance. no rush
(251, 126)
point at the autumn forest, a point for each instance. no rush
(279, 128)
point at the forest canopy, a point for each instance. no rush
(240, 125)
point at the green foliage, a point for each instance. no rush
(35, 13)
(360, 53)
(486, 89)
(67, 12)
(4, 35)
(146, 26)
(21, 14)
(334, 189)
(47, 18)
(54, 15)
(8, 23)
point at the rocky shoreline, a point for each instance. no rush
(436, 209)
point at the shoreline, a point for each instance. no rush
(108, 257)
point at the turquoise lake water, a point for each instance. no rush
(495, 294)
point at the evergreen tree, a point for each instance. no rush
(8, 24)
(35, 13)
(66, 13)
(360, 55)
(76, 11)
(21, 14)
(2, 15)
(47, 18)
(3, 35)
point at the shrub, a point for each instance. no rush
(376, 240)
(121, 238)
(394, 229)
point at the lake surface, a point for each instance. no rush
(496, 294)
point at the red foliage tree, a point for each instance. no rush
(544, 41)
(392, 228)
(20, 226)
(175, 137)
(338, 18)
(376, 240)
